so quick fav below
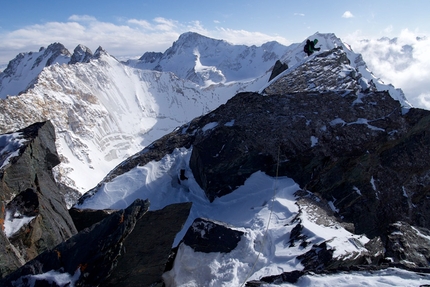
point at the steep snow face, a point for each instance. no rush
(105, 111)
(22, 71)
(207, 61)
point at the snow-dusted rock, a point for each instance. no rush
(33, 212)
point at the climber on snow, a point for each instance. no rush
(310, 47)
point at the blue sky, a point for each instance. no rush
(129, 28)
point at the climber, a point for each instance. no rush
(310, 47)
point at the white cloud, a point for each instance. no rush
(347, 14)
(243, 37)
(142, 23)
(129, 38)
(299, 14)
(388, 30)
(403, 61)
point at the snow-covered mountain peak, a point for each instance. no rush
(334, 67)
(207, 61)
(100, 52)
(81, 54)
(22, 71)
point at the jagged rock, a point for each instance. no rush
(131, 246)
(289, 277)
(81, 54)
(408, 245)
(207, 236)
(91, 253)
(28, 191)
(147, 248)
(84, 218)
(277, 69)
(322, 74)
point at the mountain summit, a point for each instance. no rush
(207, 61)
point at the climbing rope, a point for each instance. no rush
(263, 243)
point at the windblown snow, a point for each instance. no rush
(264, 208)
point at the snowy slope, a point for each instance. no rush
(23, 70)
(105, 111)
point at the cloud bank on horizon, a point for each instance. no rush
(402, 60)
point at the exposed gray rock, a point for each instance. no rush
(92, 253)
(28, 189)
(408, 245)
(81, 54)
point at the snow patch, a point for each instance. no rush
(209, 126)
(9, 147)
(14, 222)
(54, 278)
(314, 141)
(229, 124)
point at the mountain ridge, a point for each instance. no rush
(322, 169)
(90, 85)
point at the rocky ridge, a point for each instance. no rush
(357, 154)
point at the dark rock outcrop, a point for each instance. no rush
(81, 54)
(207, 236)
(130, 246)
(286, 277)
(28, 189)
(359, 150)
(278, 68)
(84, 218)
(147, 248)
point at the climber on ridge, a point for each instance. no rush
(310, 47)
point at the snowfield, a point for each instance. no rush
(264, 208)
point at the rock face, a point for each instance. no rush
(128, 248)
(208, 236)
(147, 248)
(277, 69)
(408, 245)
(29, 192)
